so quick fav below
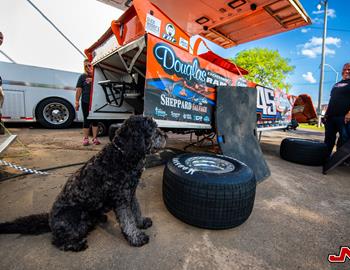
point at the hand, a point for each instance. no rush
(77, 105)
(347, 118)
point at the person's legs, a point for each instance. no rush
(86, 123)
(94, 133)
(341, 128)
(345, 133)
(330, 134)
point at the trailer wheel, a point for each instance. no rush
(55, 113)
(209, 191)
(102, 129)
(302, 151)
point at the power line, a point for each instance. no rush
(8, 57)
(54, 26)
(331, 29)
(311, 83)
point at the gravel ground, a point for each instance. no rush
(300, 216)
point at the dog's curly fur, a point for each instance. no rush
(106, 182)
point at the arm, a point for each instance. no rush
(347, 118)
(77, 97)
(79, 90)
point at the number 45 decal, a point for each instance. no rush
(266, 100)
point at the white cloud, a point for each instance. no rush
(317, 21)
(330, 13)
(317, 41)
(313, 47)
(309, 77)
(305, 30)
(313, 52)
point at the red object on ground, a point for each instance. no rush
(303, 109)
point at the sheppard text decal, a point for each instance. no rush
(181, 104)
(190, 71)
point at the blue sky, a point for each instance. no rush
(303, 47)
(29, 39)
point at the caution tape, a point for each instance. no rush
(20, 168)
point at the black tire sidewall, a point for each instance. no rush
(209, 200)
(40, 113)
(304, 151)
(241, 173)
(102, 129)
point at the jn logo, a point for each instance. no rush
(343, 254)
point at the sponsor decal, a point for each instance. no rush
(175, 114)
(187, 116)
(343, 254)
(160, 112)
(198, 118)
(183, 43)
(153, 25)
(206, 118)
(241, 82)
(181, 104)
(190, 71)
(186, 169)
(170, 33)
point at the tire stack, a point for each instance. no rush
(209, 191)
(305, 152)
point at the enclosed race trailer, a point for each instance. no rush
(39, 94)
(145, 63)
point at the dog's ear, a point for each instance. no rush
(135, 135)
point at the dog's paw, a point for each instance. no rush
(146, 223)
(75, 246)
(139, 240)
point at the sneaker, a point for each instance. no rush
(95, 141)
(85, 141)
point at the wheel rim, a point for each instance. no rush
(210, 164)
(56, 113)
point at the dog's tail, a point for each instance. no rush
(34, 224)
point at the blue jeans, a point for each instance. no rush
(346, 132)
(333, 126)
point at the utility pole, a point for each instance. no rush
(320, 93)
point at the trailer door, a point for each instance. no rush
(14, 105)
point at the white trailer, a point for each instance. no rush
(39, 94)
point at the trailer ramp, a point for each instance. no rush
(236, 128)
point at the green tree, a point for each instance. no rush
(266, 67)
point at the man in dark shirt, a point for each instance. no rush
(338, 111)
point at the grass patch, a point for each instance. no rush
(313, 127)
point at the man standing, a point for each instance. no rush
(338, 111)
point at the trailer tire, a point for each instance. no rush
(55, 113)
(303, 151)
(212, 197)
(102, 129)
(112, 130)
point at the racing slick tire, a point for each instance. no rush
(303, 151)
(209, 191)
(55, 113)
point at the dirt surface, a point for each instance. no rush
(300, 216)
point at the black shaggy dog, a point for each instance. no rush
(106, 182)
